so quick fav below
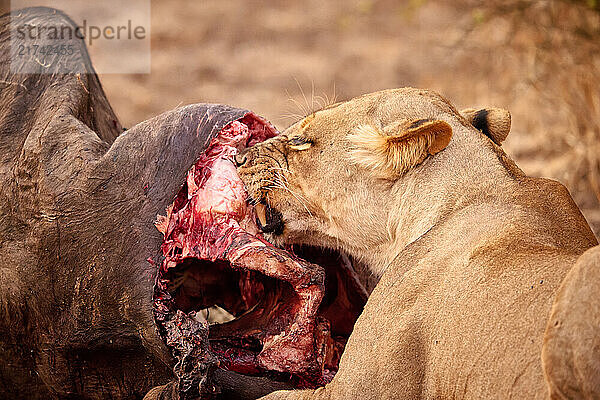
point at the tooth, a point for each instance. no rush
(261, 213)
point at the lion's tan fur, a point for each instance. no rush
(496, 122)
(471, 252)
(571, 353)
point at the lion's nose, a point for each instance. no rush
(240, 159)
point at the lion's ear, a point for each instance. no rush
(492, 122)
(393, 150)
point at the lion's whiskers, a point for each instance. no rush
(282, 169)
(279, 184)
(293, 116)
(304, 96)
(320, 101)
(303, 110)
(301, 199)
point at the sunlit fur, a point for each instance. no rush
(392, 154)
(470, 250)
(493, 122)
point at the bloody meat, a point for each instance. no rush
(215, 254)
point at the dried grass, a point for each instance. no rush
(558, 45)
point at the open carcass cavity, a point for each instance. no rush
(281, 316)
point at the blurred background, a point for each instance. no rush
(282, 59)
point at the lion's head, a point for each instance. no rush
(335, 179)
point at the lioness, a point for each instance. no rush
(470, 251)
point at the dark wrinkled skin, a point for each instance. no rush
(77, 204)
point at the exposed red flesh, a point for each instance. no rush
(211, 227)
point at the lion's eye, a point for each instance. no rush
(299, 143)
